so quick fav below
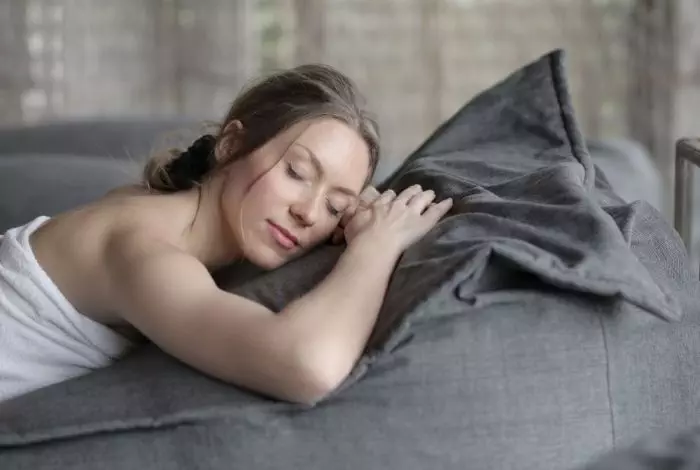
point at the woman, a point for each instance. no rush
(285, 168)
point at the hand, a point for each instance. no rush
(367, 197)
(397, 221)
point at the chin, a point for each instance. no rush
(264, 253)
(267, 259)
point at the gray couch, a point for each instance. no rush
(510, 338)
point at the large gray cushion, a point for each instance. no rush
(46, 184)
(129, 138)
(544, 322)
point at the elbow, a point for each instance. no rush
(316, 380)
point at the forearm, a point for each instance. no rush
(333, 321)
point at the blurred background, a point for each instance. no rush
(634, 65)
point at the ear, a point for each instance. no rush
(234, 126)
(229, 139)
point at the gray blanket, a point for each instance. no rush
(658, 451)
(543, 322)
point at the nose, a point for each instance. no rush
(305, 211)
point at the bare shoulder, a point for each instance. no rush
(170, 297)
(151, 278)
(148, 276)
(132, 250)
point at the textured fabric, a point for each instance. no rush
(658, 451)
(43, 339)
(541, 324)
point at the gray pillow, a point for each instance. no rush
(524, 183)
(542, 323)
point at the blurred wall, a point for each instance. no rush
(417, 61)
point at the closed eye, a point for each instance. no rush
(292, 173)
(332, 210)
(337, 206)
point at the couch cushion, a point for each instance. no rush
(543, 322)
(122, 139)
(32, 185)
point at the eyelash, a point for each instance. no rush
(332, 210)
(294, 175)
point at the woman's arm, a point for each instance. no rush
(171, 298)
(334, 320)
(300, 354)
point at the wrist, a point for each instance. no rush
(374, 247)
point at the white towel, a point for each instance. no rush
(43, 338)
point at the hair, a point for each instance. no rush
(265, 108)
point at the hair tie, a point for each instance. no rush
(193, 164)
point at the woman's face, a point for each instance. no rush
(290, 194)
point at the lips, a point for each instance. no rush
(283, 237)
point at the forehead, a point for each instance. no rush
(340, 150)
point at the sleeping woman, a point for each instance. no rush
(289, 165)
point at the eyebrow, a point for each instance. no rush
(319, 167)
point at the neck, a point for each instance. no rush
(208, 237)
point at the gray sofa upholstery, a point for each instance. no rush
(120, 139)
(36, 184)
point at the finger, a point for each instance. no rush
(387, 197)
(408, 194)
(367, 197)
(364, 201)
(347, 216)
(369, 194)
(436, 211)
(421, 201)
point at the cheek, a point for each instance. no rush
(269, 194)
(268, 198)
(323, 230)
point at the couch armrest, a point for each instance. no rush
(687, 157)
